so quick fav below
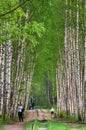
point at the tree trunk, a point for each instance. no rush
(85, 66)
(2, 60)
(7, 85)
(78, 63)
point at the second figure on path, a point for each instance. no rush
(52, 112)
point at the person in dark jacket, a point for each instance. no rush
(20, 114)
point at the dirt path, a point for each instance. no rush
(41, 115)
(32, 115)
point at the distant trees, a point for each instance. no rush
(44, 80)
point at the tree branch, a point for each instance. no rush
(12, 10)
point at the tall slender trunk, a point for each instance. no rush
(28, 85)
(19, 74)
(2, 59)
(85, 66)
(20, 68)
(66, 59)
(58, 90)
(7, 79)
(78, 62)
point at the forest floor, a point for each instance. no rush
(40, 115)
(35, 114)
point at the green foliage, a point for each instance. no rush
(1, 123)
(63, 114)
(32, 31)
(6, 5)
(37, 28)
(41, 107)
(50, 125)
(31, 124)
(49, 13)
(83, 128)
(42, 36)
(54, 126)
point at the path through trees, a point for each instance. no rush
(32, 115)
(43, 48)
(41, 115)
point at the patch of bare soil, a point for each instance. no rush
(73, 129)
(36, 114)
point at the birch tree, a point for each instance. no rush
(85, 64)
(2, 60)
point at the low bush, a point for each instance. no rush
(63, 114)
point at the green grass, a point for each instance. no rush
(7, 121)
(83, 128)
(41, 107)
(50, 125)
(32, 124)
(1, 124)
(56, 126)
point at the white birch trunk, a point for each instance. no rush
(73, 65)
(78, 63)
(58, 92)
(20, 70)
(85, 68)
(66, 59)
(18, 79)
(8, 73)
(2, 59)
(30, 76)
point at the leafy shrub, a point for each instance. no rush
(41, 107)
(62, 114)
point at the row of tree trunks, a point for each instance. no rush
(71, 89)
(15, 81)
(49, 89)
(7, 78)
(28, 85)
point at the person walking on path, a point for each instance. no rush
(20, 113)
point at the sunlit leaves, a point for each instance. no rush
(35, 28)
(33, 40)
(33, 31)
(6, 5)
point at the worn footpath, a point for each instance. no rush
(32, 115)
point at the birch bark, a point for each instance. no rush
(78, 63)
(66, 59)
(85, 67)
(7, 78)
(2, 60)
(20, 68)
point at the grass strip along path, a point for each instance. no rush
(40, 119)
(48, 125)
